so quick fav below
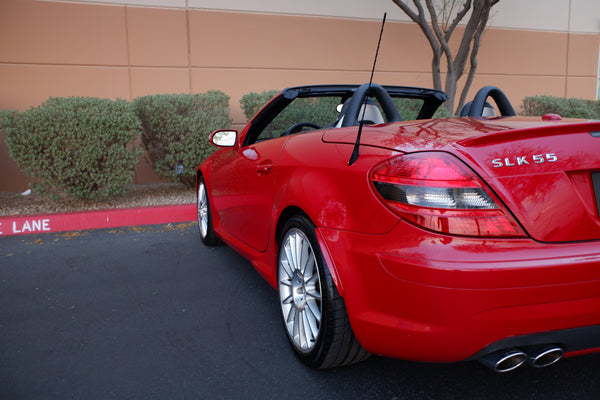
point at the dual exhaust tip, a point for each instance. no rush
(510, 359)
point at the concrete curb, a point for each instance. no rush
(97, 219)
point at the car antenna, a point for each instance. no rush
(355, 154)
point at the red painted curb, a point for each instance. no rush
(97, 219)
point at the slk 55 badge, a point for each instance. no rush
(524, 160)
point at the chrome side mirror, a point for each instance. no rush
(224, 138)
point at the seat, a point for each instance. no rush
(488, 110)
(369, 114)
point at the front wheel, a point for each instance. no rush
(314, 314)
(205, 223)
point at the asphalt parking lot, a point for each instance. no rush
(150, 313)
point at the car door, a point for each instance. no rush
(243, 188)
(243, 182)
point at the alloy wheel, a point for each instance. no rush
(202, 210)
(300, 290)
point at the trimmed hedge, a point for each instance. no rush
(409, 109)
(176, 129)
(252, 102)
(565, 107)
(79, 147)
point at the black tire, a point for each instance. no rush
(205, 222)
(313, 312)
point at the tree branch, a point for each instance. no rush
(462, 55)
(459, 16)
(474, 51)
(407, 10)
(439, 36)
(421, 19)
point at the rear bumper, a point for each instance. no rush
(441, 299)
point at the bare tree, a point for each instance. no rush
(438, 21)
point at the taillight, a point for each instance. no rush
(438, 192)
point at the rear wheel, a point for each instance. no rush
(205, 225)
(314, 314)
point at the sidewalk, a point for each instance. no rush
(97, 219)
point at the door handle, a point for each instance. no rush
(264, 168)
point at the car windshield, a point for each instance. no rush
(321, 111)
(324, 111)
(304, 108)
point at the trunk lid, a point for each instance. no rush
(546, 173)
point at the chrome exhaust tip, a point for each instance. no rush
(504, 360)
(545, 356)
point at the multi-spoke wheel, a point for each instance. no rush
(205, 226)
(314, 314)
(300, 290)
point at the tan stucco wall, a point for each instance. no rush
(175, 46)
(581, 16)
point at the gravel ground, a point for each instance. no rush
(155, 194)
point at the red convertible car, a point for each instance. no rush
(388, 232)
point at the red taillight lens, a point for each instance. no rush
(438, 192)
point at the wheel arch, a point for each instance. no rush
(292, 211)
(203, 172)
(284, 216)
(199, 175)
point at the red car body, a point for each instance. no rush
(430, 284)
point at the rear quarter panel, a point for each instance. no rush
(315, 177)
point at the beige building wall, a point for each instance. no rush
(129, 48)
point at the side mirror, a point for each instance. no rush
(224, 138)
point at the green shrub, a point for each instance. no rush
(321, 111)
(565, 107)
(409, 109)
(252, 102)
(78, 147)
(594, 106)
(176, 129)
(442, 112)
